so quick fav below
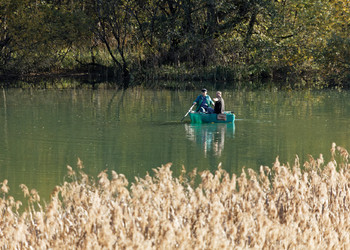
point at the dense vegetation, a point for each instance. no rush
(278, 208)
(303, 41)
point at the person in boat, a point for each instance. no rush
(219, 106)
(203, 102)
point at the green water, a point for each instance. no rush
(134, 131)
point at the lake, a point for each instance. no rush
(133, 131)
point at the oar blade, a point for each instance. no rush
(188, 112)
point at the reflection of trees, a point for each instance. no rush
(211, 137)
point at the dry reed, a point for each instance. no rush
(276, 208)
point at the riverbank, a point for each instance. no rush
(278, 207)
(174, 80)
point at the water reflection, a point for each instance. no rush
(211, 137)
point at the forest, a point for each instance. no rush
(297, 43)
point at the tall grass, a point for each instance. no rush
(296, 207)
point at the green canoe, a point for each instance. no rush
(199, 117)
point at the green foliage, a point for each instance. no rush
(42, 34)
(336, 61)
(7, 8)
(295, 40)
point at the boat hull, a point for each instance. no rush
(198, 117)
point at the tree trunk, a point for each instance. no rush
(211, 18)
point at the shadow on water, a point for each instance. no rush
(210, 137)
(169, 123)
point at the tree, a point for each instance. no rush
(334, 57)
(36, 36)
(7, 9)
(114, 29)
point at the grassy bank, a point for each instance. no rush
(280, 207)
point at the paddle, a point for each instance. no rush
(188, 112)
